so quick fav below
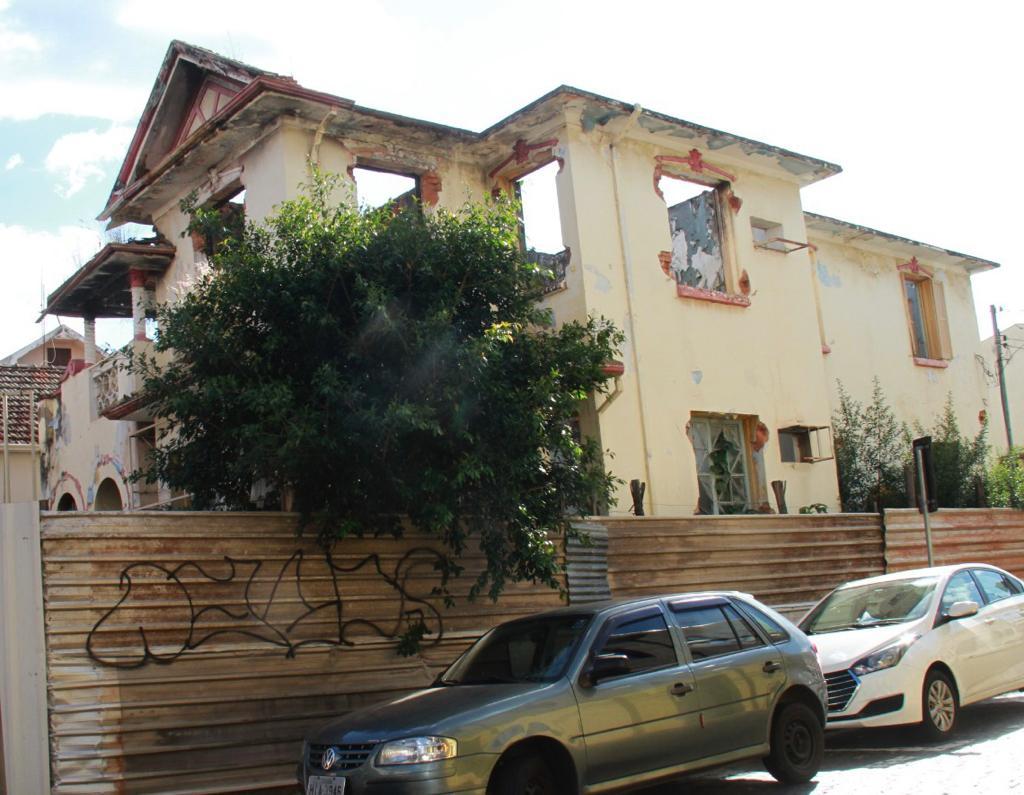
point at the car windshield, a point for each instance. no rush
(871, 605)
(532, 650)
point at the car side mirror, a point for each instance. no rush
(962, 610)
(605, 666)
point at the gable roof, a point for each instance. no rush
(17, 383)
(156, 152)
(62, 332)
(172, 93)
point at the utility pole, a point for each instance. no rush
(997, 338)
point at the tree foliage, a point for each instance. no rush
(871, 448)
(958, 460)
(1005, 480)
(382, 365)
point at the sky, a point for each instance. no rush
(919, 102)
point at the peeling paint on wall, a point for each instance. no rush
(596, 116)
(827, 278)
(697, 376)
(601, 282)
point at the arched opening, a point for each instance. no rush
(66, 503)
(108, 498)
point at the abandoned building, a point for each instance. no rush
(742, 312)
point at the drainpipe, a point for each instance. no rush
(627, 264)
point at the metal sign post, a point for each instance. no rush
(922, 500)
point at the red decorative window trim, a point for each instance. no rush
(940, 364)
(715, 297)
(914, 267)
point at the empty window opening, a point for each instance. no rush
(926, 315)
(695, 223)
(108, 497)
(802, 444)
(58, 357)
(66, 503)
(540, 227)
(767, 235)
(376, 188)
(228, 223)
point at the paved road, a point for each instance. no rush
(985, 756)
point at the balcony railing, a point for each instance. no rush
(113, 386)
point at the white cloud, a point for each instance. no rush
(13, 161)
(33, 262)
(32, 97)
(78, 157)
(15, 43)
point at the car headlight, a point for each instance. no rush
(883, 658)
(417, 749)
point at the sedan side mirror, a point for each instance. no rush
(962, 610)
(605, 666)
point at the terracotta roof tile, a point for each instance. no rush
(15, 382)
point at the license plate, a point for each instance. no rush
(325, 785)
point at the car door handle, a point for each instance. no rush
(681, 688)
(771, 666)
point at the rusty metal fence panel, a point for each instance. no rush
(967, 535)
(782, 560)
(190, 652)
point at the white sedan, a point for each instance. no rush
(915, 646)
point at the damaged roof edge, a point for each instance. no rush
(829, 169)
(971, 264)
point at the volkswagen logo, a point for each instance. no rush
(330, 757)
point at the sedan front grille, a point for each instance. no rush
(841, 687)
(349, 756)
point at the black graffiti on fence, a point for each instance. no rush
(414, 613)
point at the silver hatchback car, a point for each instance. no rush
(590, 699)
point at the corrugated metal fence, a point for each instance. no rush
(988, 535)
(179, 646)
(189, 652)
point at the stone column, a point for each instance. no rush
(90, 340)
(137, 278)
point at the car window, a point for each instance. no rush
(529, 650)
(708, 632)
(769, 626)
(644, 640)
(960, 588)
(994, 584)
(745, 633)
(872, 603)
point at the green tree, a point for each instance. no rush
(1004, 483)
(871, 448)
(959, 462)
(380, 365)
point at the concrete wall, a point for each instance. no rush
(865, 325)
(1013, 362)
(25, 748)
(83, 449)
(25, 479)
(685, 355)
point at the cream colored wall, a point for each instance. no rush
(37, 356)
(685, 355)
(83, 449)
(865, 325)
(24, 469)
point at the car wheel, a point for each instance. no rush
(939, 705)
(797, 744)
(523, 774)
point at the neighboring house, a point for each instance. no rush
(56, 348)
(740, 310)
(1013, 368)
(21, 387)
